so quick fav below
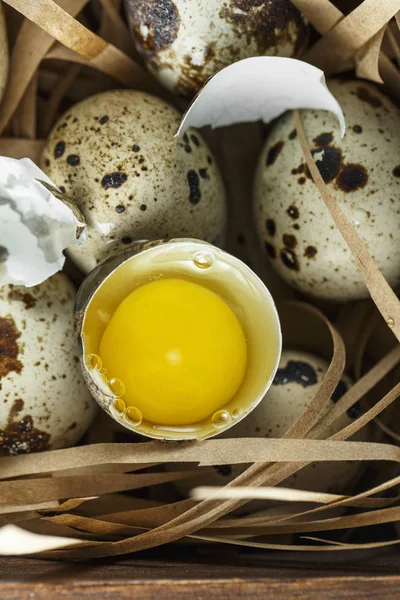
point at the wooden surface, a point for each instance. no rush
(213, 572)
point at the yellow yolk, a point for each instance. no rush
(178, 348)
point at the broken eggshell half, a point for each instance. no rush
(37, 222)
(192, 261)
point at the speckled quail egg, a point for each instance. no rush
(3, 53)
(294, 386)
(44, 401)
(116, 156)
(362, 171)
(184, 42)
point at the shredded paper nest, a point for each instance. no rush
(81, 503)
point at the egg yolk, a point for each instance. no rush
(178, 348)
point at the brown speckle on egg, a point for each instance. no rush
(364, 94)
(274, 153)
(293, 212)
(73, 160)
(357, 129)
(59, 149)
(352, 177)
(268, 23)
(28, 300)
(22, 437)
(104, 120)
(271, 250)
(330, 163)
(300, 372)
(396, 171)
(270, 227)
(289, 259)
(194, 187)
(289, 240)
(154, 22)
(310, 252)
(323, 139)
(113, 180)
(9, 350)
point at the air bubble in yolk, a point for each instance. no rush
(179, 350)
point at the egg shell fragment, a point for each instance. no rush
(44, 402)
(4, 59)
(185, 42)
(362, 171)
(115, 155)
(295, 384)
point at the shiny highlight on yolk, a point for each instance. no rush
(179, 350)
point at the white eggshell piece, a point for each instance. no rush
(44, 401)
(295, 384)
(35, 225)
(185, 42)
(115, 155)
(3, 53)
(362, 171)
(262, 87)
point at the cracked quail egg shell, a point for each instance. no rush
(116, 157)
(184, 43)
(3, 53)
(45, 402)
(362, 171)
(296, 382)
(165, 364)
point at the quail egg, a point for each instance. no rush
(45, 403)
(184, 42)
(115, 155)
(296, 382)
(362, 171)
(3, 53)
(179, 340)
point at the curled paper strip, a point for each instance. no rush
(262, 87)
(36, 224)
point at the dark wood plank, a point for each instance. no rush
(209, 573)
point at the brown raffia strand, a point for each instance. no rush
(40, 490)
(394, 45)
(382, 294)
(114, 29)
(56, 97)
(321, 13)
(367, 58)
(364, 339)
(358, 390)
(324, 16)
(25, 118)
(352, 32)
(150, 517)
(30, 48)
(352, 321)
(55, 21)
(117, 550)
(378, 517)
(22, 148)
